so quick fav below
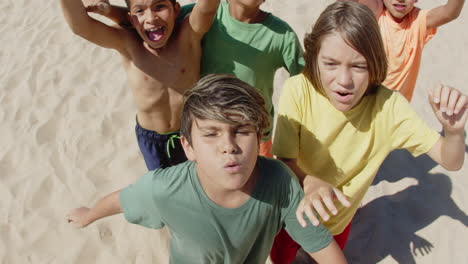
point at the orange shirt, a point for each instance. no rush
(404, 43)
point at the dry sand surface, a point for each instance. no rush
(67, 138)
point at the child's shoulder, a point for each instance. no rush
(278, 24)
(273, 168)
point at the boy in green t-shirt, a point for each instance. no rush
(226, 204)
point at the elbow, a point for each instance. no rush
(453, 166)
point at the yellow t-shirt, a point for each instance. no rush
(404, 43)
(346, 148)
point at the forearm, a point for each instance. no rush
(331, 254)
(454, 8)
(107, 206)
(452, 150)
(75, 14)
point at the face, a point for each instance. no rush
(343, 72)
(225, 154)
(399, 8)
(154, 20)
(248, 3)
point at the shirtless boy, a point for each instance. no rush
(162, 61)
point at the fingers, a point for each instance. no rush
(460, 105)
(342, 198)
(320, 204)
(447, 100)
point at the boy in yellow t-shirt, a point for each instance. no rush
(405, 30)
(337, 123)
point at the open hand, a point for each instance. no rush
(449, 106)
(79, 217)
(101, 7)
(318, 197)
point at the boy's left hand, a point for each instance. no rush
(450, 108)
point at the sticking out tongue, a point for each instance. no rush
(155, 35)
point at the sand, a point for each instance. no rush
(67, 138)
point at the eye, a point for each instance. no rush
(159, 7)
(330, 63)
(138, 11)
(360, 67)
(243, 131)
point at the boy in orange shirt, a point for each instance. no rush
(405, 30)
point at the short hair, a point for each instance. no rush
(226, 99)
(128, 2)
(358, 27)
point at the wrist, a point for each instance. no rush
(454, 132)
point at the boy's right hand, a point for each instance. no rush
(101, 7)
(79, 217)
(316, 194)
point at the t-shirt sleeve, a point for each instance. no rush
(293, 55)
(138, 202)
(288, 124)
(409, 131)
(426, 34)
(311, 238)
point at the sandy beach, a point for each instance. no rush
(67, 138)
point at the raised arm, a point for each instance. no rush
(83, 25)
(450, 108)
(118, 14)
(202, 16)
(318, 195)
(443, 14)
(107, 206)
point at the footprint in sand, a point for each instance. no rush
(105, 233)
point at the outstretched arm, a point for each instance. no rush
(83, 25)
(107, 206)
(450, 108)
(318, 196)
(445, 13)
(202, 16)
(331, 254)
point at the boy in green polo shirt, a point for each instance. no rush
(226, 204)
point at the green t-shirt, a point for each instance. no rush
(251, 52)
(204, 232)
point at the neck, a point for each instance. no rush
(229, 198)
(246, 14)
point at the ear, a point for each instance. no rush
(187, 149)
(130, 18)
(177, 9)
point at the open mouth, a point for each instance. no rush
(155, 34)
(232, 167)
(344, 96)
(399, 7)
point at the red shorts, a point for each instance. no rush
(285, 248)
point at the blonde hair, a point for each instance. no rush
(226, 99)
(358, 27)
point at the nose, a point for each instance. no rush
(151, 16)
(344, 77)
(228, 144)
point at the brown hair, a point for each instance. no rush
(358, 27)
(226, 99)
(128, 2)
